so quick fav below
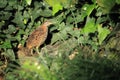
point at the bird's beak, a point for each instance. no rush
(53, 21)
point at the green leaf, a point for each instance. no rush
(1, 24)
(70, 19)
(10, 54)
(87, 9)
(6, 44)
(12, 3)
(46, 13)
(62, 35)
(79, 18)
(56, 8)
(19, 19)
(28, 2)
(39, 69)
(56, 5)
(106, 5)
(94, 1)
(118, 1)
(90, 26)
(66, 3)
(35, 13)
(58, 36)
(3, 3)
(5, 15)
(75, 33)
(61, 26)
(102, 33)
(11, 29)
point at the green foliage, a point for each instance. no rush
(12, 28)
(6, 44)
(87, 68)
(78, 24)
(28, 2)
(89, 27)
(88, 9)
(56, 5)
(59, 5)
(118, 1)
(31, 71)
(102, 33)
(106, 5)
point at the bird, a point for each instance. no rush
(38, 37)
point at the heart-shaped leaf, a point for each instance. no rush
(102, 33)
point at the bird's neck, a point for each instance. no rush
(45, 28)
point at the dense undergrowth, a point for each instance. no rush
(84, 41)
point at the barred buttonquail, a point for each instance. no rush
(38, 37)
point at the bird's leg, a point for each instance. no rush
(31, 51)
(37, 50)
(40, 55)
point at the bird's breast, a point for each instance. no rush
(37, 37)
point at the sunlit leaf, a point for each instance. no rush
(56, 5)
(88, 9)
(102, 33)
(56, 8)
(25, 21)
(90, 26)
(28, 2)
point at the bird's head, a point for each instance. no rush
(47, 23)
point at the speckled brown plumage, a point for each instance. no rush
(38, 36)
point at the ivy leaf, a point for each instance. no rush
(1, 24)
(88, 9)
(19, 19)
(118, 1)
(62, 35)
(102, 33)
(5, 15)
(106, 5)
(56, 5)
(28, 2)
(10, 54)
(3, 3)
(90, 26)
(11, 29)
(56, 8)
(58, 36)
(6, 44)
(46, 13)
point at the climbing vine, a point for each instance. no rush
(83, 27)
